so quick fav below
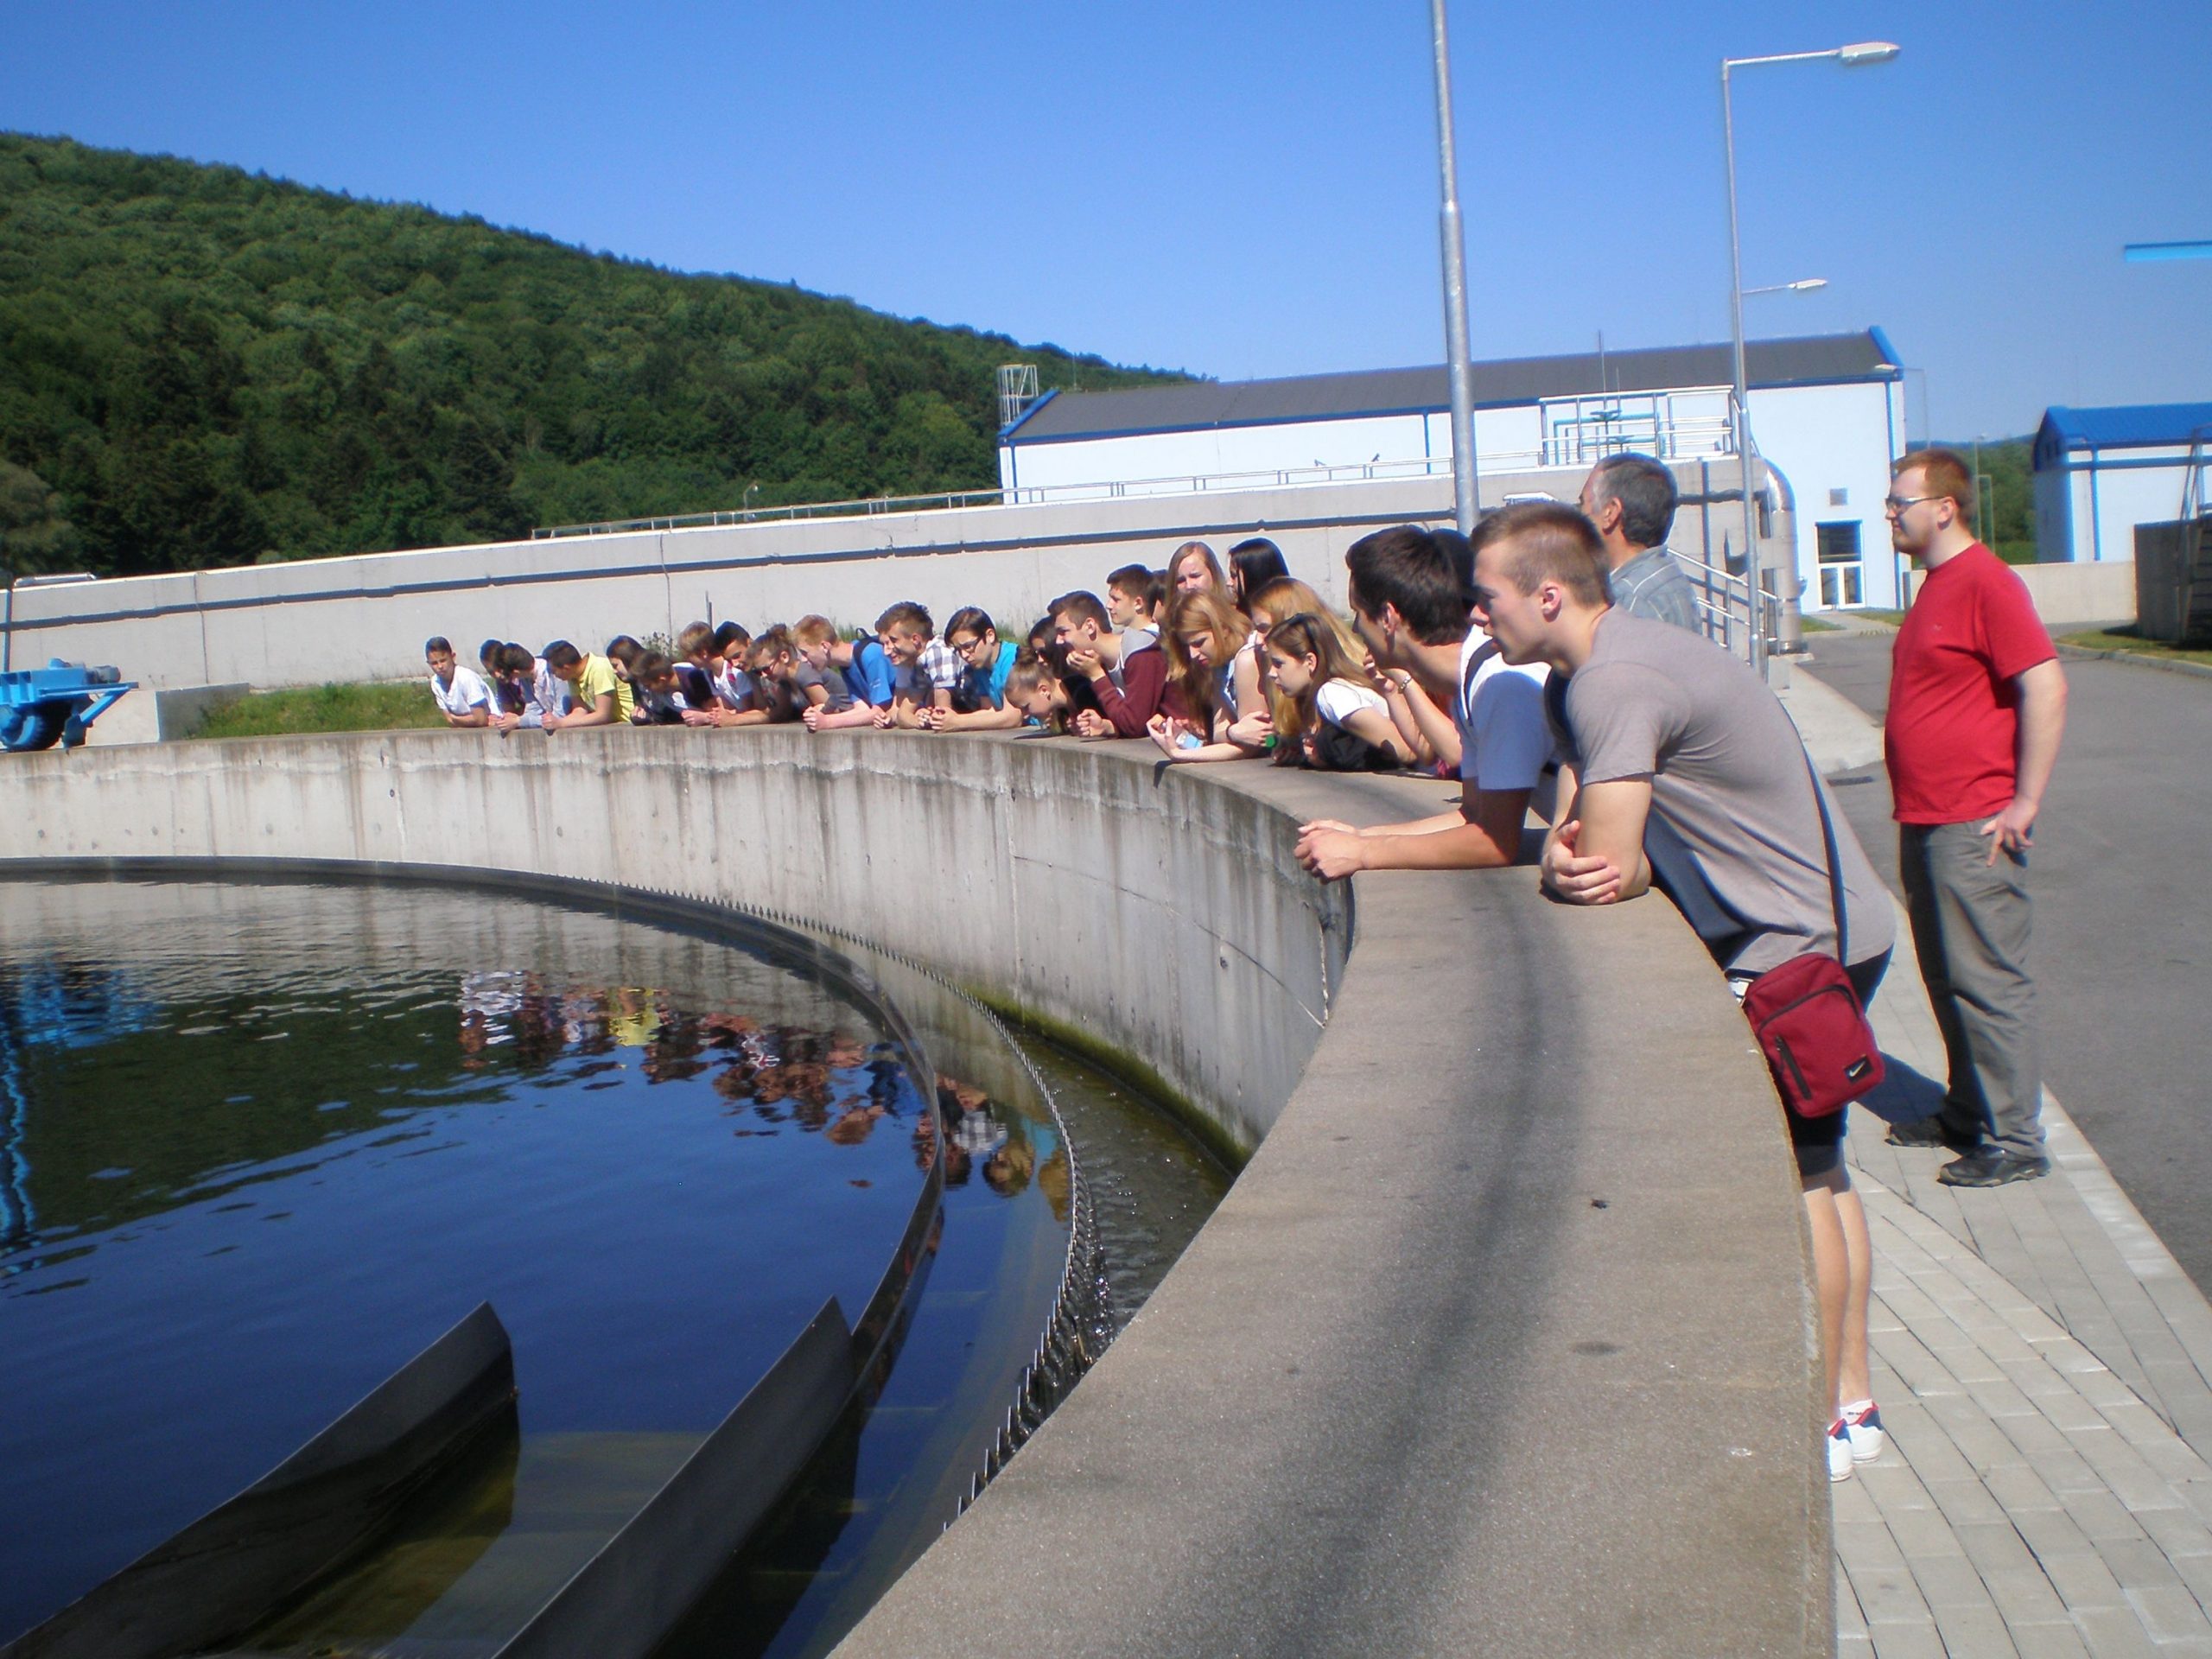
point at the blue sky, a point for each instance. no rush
(1239, 188)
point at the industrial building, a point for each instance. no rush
(2099, 473)
(1826, 414)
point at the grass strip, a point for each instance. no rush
(2127, 640)
(305, 711)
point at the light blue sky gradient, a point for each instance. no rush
(1242, 189)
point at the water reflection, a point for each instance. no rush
(286, 1134)
(121, 1154)
(1002, 1149)
(263, 1143)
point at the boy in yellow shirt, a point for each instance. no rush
(602, 697)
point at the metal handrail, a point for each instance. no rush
(2192, 480)
(1724, 604)
(1027, 495)
(1543, 458)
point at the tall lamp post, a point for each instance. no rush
(1865, 52)
(1455, 291)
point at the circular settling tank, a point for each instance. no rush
(261, 1142)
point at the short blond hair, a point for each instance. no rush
(1943, 472)
(1549, 541)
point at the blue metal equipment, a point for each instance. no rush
(41, 707)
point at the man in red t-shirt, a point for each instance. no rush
(1977, 708)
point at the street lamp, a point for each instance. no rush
(1458, 369)
(1806, 286)
(1865, 52)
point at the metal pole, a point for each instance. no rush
(1465, 490)
(1738, 392)
(1980, 496)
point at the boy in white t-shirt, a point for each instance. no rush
(460, 694)
(1413, 608)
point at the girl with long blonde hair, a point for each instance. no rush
(1205, 638)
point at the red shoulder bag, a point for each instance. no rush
(1806, 1017)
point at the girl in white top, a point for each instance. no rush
(1322, 687)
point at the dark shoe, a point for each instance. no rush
(1929, 1131)
(1992, 1166)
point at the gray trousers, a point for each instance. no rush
(1970, 926)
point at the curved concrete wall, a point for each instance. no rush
(1501, 1339)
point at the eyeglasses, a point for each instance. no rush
(1895, 506)
(964, 646)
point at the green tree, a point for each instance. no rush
(208, 365)
(34, 534)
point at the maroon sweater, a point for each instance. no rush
(1144, 678)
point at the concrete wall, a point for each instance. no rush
(2067, 595)
(152, 715)
(366, 618)
(1076, 900)
(1501, 1342)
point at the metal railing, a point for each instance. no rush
(2196, 562)
(1026, 495)
(1724, 605)
(1685, 440)
(1574, 438)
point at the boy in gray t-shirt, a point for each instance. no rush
(1663, 729)
(1728, 776)
(836, 696)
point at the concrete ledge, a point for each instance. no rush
(1502, 1341)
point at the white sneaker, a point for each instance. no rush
(1862, 1425)
(1838, 1451)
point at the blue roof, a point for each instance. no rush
(2123, 426)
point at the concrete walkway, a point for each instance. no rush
(2044, 1368)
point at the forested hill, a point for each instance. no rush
(200, 366)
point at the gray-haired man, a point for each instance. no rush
(1630, 499)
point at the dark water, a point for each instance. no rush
(1150, 1185)
(881, 1491)
(259, 1145)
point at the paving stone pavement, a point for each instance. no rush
(2044, 1368)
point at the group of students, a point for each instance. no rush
(1211, 659)
(1556, 663)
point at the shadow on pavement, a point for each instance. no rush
(1906, 1094)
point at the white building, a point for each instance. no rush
(2101, 472)
(1827, 414)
